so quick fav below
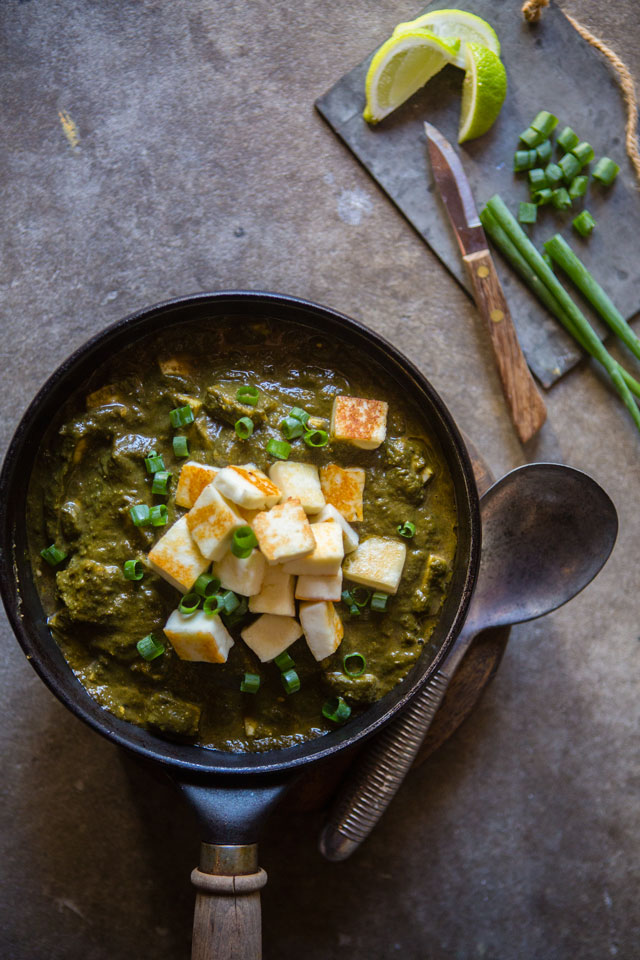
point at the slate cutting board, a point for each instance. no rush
(549, 66)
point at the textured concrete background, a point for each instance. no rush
(200, 165)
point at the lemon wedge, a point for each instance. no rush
(483, 91)
(401, 66)
(455, 24)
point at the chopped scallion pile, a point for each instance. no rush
(583, 152)
(567, 140)
(561, 199)
(544, 122)
(532, 138)
(544, 152)
(578, 187)
(554, 174)
(605, 171)
(570, 166)
(584, 223)
(299, 414)
(524, 160)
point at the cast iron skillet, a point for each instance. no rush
(231, 793)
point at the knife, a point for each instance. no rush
(525, 402)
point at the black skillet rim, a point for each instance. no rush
(49, 662)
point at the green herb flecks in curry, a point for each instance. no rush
(91, 473)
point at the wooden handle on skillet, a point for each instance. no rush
(227, 922)
(527, 407)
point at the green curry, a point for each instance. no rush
(91, 471)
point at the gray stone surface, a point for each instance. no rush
(200, 165)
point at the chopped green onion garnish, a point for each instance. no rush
(149, 648)
(290, 681)
(567, 140)
(584, 223)
(189, 604)
(407, 529)
(248, 395)
(299, 414)
(527, 212)
(354, 610)
(284, 662)
(229, 601)
(605, 171)
(354, 664)
(238, 614)
(133, 570)
(578, 187)
(140, 514)
(159, 516)
(244, 540)
(154, 462)
(561, 199)
(538, 178)
(316, 438)
(336, 710)
(346, 596)
(554, 174)
(206, 585)
(53, 555)
(244, 427)
(544, 122)
(180, 447)
(250, 683)
(570, 166)
(379, 601)
(292, 428)
(541, 197)
(532, 138)
(279, 449)
(181, 416)
(161, 482)
(212, 605)
(583, 152)
(360, 596)
(544, 152)
(524, 160)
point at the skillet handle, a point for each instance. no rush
(227, 923)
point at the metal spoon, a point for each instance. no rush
(547, 530)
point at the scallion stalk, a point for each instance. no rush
(562, 254)
(519, 238)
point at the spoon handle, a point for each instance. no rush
(381, 767)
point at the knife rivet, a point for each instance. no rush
(483, 272)
(497, 316)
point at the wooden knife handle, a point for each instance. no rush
(528, 411)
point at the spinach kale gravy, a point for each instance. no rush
(91, 471)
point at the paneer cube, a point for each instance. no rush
(270, 635)
(327, 554)
(344, 488)
(248, 487)
(377, 563)
(243, 575)
(322, 628)
(212, 521)
(276, 594)
(176, 557)
(284, 532)
(359, 421)
(194, 477)
(299, 480)
(319, 588)
(350, 538)
(198, 637)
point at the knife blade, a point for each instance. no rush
(524, 400)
